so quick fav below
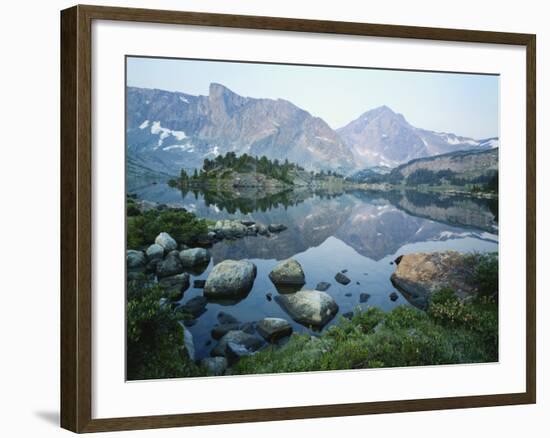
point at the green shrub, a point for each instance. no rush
(154, 336)
(181, 225)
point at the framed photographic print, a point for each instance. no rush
(269, 218)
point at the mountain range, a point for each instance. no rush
(167, 131)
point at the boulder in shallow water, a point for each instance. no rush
(230, 278)
(171, 265)
(276, 228)
(394, 296)
(194, 257)
(195, 307)
(288, 272)
(364, 297)
(226, 318)
(135, 259)
(228, 229)
(273, 329)
(322, 286)
(166, 241)
(342, 278)
(419, 275)
(175, 285)
(245, 341)
(309, 307)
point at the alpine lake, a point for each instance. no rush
(357, 232)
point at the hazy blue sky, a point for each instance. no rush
(463, 104)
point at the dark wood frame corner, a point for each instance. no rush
(76, 221)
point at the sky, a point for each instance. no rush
(464, 104)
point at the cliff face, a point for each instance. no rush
(172, 130)
(382, 137)
(467, 164)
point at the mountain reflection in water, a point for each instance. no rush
(327, 232)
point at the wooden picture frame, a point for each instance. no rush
(76, 217)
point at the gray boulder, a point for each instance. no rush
(364, 297)
(226, 318)
(230, 278)
(276, 228)
(171, 265)
(262, 229)
(195, 307)
(342, 278)
(229, 229)
(155, 252)
(273, 329)
(166, 241)
(135, 259)
(188, 342)
(244, 341)
(322, 286)
(419, 275)
(219, 331)
(288, 272)
(309, 307)
(194, 256)
(215, 366)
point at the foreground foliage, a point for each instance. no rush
(143, 228)
(450, 332)
(154, 336)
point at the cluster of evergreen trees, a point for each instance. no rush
(487, 182)
(216, 167)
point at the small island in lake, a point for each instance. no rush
(261, 240)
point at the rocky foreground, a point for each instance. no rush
(420, 277)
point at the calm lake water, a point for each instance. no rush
(360, 231)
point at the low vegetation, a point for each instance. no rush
(143, 227)
(154, 336)
(450, 331)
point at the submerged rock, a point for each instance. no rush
(364, 297)
(322, 286)
(219, 331)
(194, 256)
(174, 286)
(309, 307)
(230, 278)
(135, 259)
(419, 275)
(195, 306)
(288, 272)
(273, 329)
(166, 241)
(342, 279)
(226, 318)
(394, 296)
(171, 265)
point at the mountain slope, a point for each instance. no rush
(171, 130)
(383, 137)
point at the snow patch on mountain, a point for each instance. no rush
(164, 133)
